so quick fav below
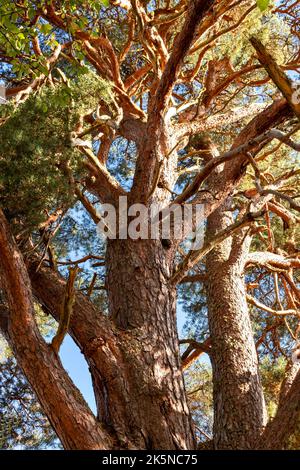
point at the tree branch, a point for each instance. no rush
(196, 12)
(195, 256)
(242, 149)
(220, 185)
(264, 307)
(91, 330)
(86, 324)
(276, 74)
(66, 310)
(194, 278)
(20, 94)
(218, 120)
(283, 196)
(269, 259)
(285, 422)
(194, 350)
(55, 390)
(102, 183)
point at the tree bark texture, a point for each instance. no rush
(133, 355)
(143, 310)
(239, 408)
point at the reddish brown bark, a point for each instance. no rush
(239, 409)
(286, 420)
(133, 356)
(64, 405)
(143, 308)
(276, 73)
(220, 184)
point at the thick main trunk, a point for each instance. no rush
(150, 410)
(239, 408)
(133, 356)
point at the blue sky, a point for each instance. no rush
(77, 368)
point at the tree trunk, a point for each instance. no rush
(286, 420)
(142, 307)
(134, 359)
(133, 356)
(239, 408)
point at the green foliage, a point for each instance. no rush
(22, 421)
(35, 139)
(272, 374)
(86, 90)
(236, 45)
(15, 37)
(198, 382)
(263, 4)
(16, 33)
